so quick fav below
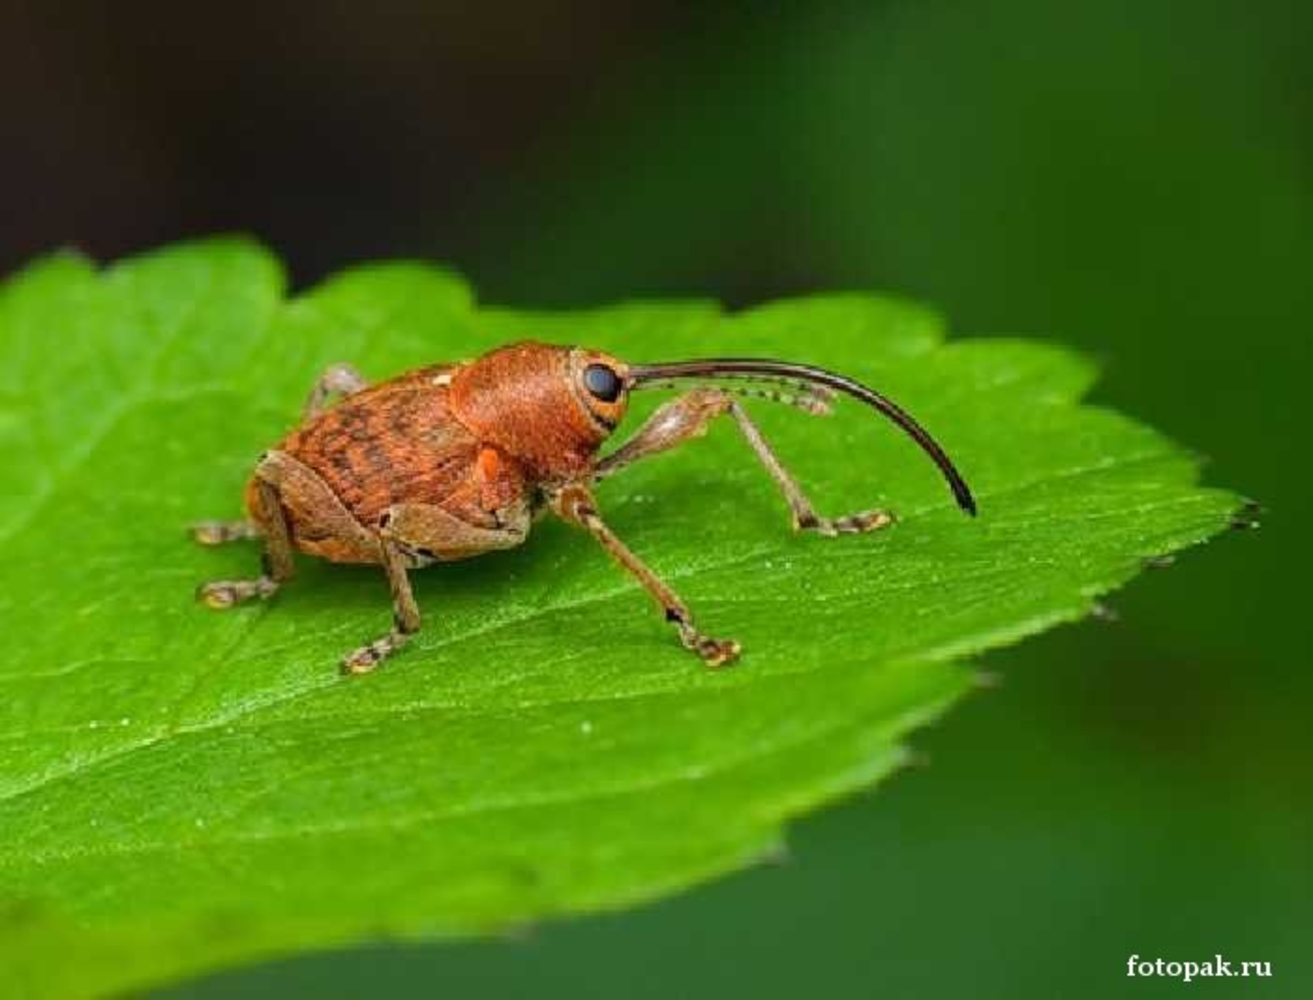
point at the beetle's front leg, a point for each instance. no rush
(688, 416)
(576, 505)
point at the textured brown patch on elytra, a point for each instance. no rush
(395, 442)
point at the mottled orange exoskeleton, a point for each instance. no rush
(453, 460)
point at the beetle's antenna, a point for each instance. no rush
(770, 369)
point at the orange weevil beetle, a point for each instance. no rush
(454, 460)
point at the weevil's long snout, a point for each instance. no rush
(789, 372)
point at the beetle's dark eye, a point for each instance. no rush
(603, 382)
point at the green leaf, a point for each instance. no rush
(183, 789)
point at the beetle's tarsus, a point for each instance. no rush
(223, 594)
(717, 653)
(222, 532)
(850, 524)
(367, 658)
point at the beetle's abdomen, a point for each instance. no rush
(396, 442)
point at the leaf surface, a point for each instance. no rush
(182, 790)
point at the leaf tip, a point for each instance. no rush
(1248, 516)
(1104, 612)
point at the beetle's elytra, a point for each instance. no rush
(453, 460)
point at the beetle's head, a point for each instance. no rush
(550, 407)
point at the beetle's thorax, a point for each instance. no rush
(527, 400)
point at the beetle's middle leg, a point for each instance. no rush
(688, 416)
(405, 615)
(415, 534)
(575, 504)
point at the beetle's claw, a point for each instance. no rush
(863, 521)
(361, 661)
(219, 595)
(717, 652)
(208, 533)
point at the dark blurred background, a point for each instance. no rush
(1134, 178)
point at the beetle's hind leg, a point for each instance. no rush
(222, 532)
(688, 416)
(277, 560)
(339, 379)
